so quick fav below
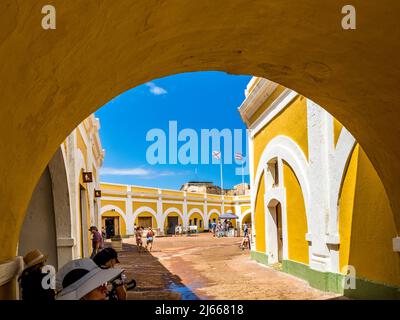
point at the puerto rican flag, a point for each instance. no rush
(238, 156)
(217, 155)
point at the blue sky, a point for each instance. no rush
(200, 100)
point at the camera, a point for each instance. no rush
(122, 280)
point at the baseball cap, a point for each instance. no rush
(105, 255)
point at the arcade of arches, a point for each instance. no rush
(100, 51)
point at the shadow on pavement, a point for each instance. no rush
(154, 281)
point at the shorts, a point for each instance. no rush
(150, 239)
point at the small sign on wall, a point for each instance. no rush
(97, 193)
(87, 177)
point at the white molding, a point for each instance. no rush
(396, 244)
(286, 149)
(10, 269)
(273, 110)
(111, 207)
(256, 97)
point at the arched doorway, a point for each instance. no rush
(275, 233)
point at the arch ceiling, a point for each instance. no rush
(51, 80)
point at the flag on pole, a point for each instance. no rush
(238, 156)
(217, 155)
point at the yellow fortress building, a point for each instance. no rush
(318, 206)
(124, 206)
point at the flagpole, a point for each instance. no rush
(222, 178)
(243, 174)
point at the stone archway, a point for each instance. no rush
(46, 93)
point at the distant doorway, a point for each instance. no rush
(172, 223)
(274, 231)
(145, 222)
(278, 222)
(110, 227)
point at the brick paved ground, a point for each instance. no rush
(203, 267)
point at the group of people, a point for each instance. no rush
(221, 229)
(139, 232)
(95, 278)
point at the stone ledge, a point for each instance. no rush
(10, 269)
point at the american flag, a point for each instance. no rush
(238, 156)
(217, 154)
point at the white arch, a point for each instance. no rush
(111, 207)
(284, 148)
(196, 210)
(211, 212)
(174, 210)
(243, 214)
(340, 160)
(147, 209)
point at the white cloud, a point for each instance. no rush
(155, 89)
(125, 172)
(144, 173)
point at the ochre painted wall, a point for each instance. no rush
(137, 205)
(371, 227)
(291, 122)
(147, 214)
(337, 129)
(167, 206)
(199, 218)
(117, 203)
(296, 217)
(260, 217)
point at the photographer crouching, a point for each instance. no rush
(107, 259)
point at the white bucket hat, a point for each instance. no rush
(88, 277)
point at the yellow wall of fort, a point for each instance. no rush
(291, 122)
(296, 217)
(147, 214)
(137, 205)
(118, 203)
(367, 229)
(259, 216)
(199, 218)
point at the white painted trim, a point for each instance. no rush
(280, 103)
(10, 269)
(286, 149)
(111, 207)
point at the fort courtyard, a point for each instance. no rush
(203, 267)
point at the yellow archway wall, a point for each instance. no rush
(296, 217)
(247, 218)
(259, 217)
(214, 216)
(199, 218)
(54, 79)
(122, 223)
(366, 224)
(296, 112)
(147, 214)
(172, 214)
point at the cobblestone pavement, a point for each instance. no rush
(203, 267)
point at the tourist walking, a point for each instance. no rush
(149, 239)
(31, 278)
(97, 241)
(245, 229)
(139, 241)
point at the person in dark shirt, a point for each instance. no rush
(97, 241)
(32, 277)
